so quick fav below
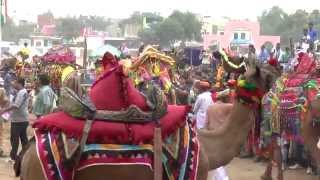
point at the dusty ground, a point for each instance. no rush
(239, 169)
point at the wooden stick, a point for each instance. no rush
(157, 154)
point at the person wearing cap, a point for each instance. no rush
(203, 101)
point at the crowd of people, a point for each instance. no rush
(196, 86)
(17, 105)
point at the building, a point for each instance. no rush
(237, 35)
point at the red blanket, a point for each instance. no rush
(110, 132)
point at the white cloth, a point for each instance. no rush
(220, 174)
(204, 100)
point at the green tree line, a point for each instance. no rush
(277, 22)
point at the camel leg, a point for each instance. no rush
(278, 159)
(274, 154)
(203, 168)
(268, 172)
(30, 165)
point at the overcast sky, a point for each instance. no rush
(238, 9)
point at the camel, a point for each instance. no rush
(311, 131)
(217, 148)
(230, 64)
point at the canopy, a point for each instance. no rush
(98, 53)
(60, 54)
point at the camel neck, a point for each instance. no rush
(224, 144)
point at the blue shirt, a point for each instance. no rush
(313, 35)
(264, 56)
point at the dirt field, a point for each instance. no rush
(239, 169)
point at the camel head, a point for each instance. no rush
(230, 63)
(262, 75)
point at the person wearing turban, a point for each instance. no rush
(109, 61)
(203, 101)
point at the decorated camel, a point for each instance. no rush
(311, 130)
(156, 66)
(290, 111)
(119, 144)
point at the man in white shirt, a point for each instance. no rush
(204, 100)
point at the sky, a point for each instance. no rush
(236, 9)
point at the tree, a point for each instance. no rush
(190, 24)
(169, 32)
(95, 22)
(149, 36)
(278, 22)
(272, 21)
(69, 27)
(178, 26)
(12, 32)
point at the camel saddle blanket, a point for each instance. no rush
(107, 132)
(179, 156)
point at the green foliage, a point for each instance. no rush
(178, 26)
(148, 36)
(68, 27)
(95, 22)
(12, 32)
(169, 31)
(277, 22)
(190, 24)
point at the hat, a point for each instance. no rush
(203, 85)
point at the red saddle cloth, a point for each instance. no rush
(110, 132)
(114, 91)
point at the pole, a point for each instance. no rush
(85, 52)
(291, 48)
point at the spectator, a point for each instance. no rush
(277, 52)
(19, 117)
(204, 100)
(284, 58)
(8, 78)
(251, 56)
(313, 36)
(46, 98)
(3, 102)
(264, 55)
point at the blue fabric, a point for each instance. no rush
(313, 34)
(264, 56)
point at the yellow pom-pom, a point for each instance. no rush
(241, 83)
